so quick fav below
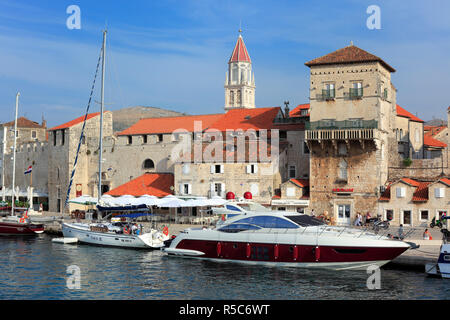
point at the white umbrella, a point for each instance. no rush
(84, 199)
(127, 200)
(215, 201)
(150, 200)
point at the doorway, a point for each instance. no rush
(344, 214)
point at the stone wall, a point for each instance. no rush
(420, 169)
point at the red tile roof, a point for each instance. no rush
(432, 142)
(297, 112)
(74, 122)
(154, 184)
(245, 119)
(403, 113)
(170, 124)
(421, 193)
(302, 183)
(240, 52)
(411, 182)
(350, 54)
(433, 130)
(23, 122)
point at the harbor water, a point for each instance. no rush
(35, 268)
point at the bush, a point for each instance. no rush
(407, 162)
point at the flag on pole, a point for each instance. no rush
(29, 170)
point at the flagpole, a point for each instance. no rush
(14, 155)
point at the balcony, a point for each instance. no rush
(355, 93)
(328, 94)
(344, 124)
(341, 130)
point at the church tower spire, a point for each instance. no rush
(239, 81)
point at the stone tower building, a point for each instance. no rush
(239, 81)
(351, 133)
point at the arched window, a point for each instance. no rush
(231, 97)
(343, 170)
(149, 164)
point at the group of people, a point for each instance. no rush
(361, 220)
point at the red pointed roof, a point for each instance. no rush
(240, 52)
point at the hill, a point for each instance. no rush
(126, 117)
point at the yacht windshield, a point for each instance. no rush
(305, 220)
(253, 207)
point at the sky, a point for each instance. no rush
(173, 54)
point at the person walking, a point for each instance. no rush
(427, 235)
(400, 232)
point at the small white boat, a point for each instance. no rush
(108, 234)
(442, 267)
(65, 240)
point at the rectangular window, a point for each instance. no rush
(389, 215)
(144, 138)
(54, 138)
(356, 91)
(439, 192)
(305, 148)
(407, 217)
(424, 215)
(292, 172)
(218, 188)
(160, 138)
(217, 168)
(252, 168)
(328, 92)
(63, 137)
(290, 192)
(401, 192)
(130, 139)
(33, 134)
(186, 168)
(185, 188)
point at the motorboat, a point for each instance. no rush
(250, 233)
(14, 225)
(442, 267)
(116, 234)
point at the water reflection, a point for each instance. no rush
(36, 268)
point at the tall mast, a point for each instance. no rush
(14, 155)
(101, 118)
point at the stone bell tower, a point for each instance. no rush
(239, 81)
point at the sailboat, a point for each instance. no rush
(18, 225)
(117, 234)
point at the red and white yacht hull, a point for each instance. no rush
(17, 228)
(286, 249)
